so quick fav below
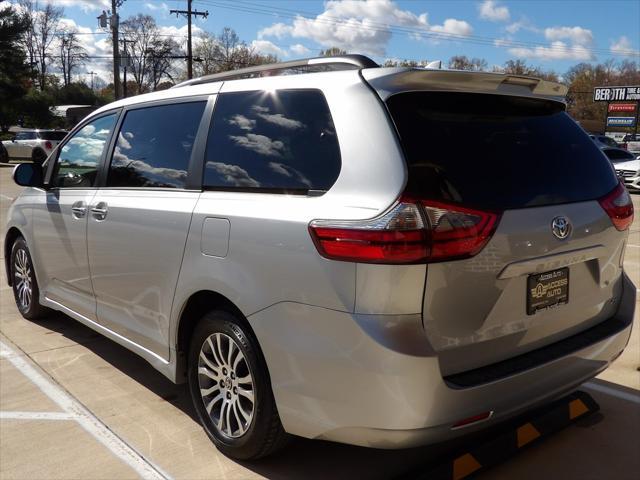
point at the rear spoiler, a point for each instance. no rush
(388, 81)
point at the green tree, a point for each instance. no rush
(14, 69)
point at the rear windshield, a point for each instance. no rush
(497, 152)
(56, 136)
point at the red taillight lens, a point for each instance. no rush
(457, 232)
(372, 246)
(48, 145)
(619, 207)
(411, 232)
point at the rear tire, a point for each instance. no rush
(231, 390)
(24, 283)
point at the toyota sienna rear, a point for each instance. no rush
(381, 257)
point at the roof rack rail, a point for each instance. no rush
(306, 65)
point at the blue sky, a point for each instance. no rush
(554, 34)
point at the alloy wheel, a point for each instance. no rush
(22, 279)
(226, 385)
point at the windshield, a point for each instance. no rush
(55, 136)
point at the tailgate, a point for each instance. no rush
(475, 311)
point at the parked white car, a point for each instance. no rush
(35, 145)
(629, 172)
(632, 142)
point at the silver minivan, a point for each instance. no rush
(308, 247)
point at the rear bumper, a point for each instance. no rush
(372, 380)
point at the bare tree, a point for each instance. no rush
(462, 62)
(151, 57)
(160, 61)
(332, 52)
(225, 52)
(43, 23)
(72, 55)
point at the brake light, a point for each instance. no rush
(619, 207)
(413, 231)
(47, 145)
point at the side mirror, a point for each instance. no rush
(28, 175)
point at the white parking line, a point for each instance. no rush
(85, 418)
(630, 397)
(37, 416)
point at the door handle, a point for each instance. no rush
(99, 211)
(79, 209)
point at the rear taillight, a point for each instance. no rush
(619, 207)
(47, 145)
(623, 145)
(413, 231)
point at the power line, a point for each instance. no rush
(249, 7)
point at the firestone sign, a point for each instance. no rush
(616, 94)
(622, 107)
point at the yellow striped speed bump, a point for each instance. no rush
(504, 441)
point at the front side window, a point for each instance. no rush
(282, 141)
(154, 146)
(79, 158)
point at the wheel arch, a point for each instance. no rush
(198, 304)
(12, 234)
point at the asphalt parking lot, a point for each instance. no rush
(76, 405)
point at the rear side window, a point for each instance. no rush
(154, 146)
(497, 152)
(282, 141)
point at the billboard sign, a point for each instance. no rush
(622, 107)
(616, 94)
(621, 121)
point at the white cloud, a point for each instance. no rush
(362, 26)
(233, 174)
(623, 46)
(277, 30)
(556, 51)
(153, 6)
(281, 120)
(452, 26)
(85, 5)
(242, 122)
(576, 35)
(299, 49)
(259, 143)
(269, 48)
(490, 10)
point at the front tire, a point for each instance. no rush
(231, 390)
(24, 283)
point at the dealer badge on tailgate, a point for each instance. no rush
(547, 289)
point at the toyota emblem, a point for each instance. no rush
(561, 227)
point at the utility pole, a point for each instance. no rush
(115, 4)
(92, 73)
(189, 13)
(113, 21)
(124, 41)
